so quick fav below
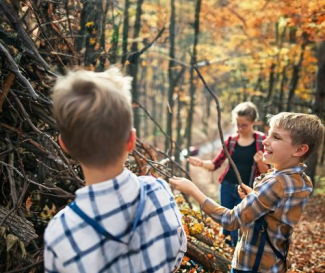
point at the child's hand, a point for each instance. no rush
(243, 190)
(195, 161)
(258, 157)
(182, 184)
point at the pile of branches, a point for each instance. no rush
(38, 40)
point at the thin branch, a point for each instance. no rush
(152, 42)
(29, 45)
(219, 126)
(13, 67)
(157, 124)
(26, 115)
(26, 267)
(152, 164)
(59, 190)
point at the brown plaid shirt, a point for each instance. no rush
(281, 197)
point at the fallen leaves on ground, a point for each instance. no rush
(307, 250)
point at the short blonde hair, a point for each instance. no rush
(303, 129)
(94, 114)
(246, 109)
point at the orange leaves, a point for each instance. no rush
(28, 204)
(196, 228)
(307, 248)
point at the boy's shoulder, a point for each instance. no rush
(159, 193)
(290, 180)
(158, 188)
(153, 183)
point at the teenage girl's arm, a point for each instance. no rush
(206, 164)
(210, 165)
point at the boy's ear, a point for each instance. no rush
(131, 141)
(301, 150)
(64, 148)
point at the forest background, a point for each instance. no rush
(269, 52)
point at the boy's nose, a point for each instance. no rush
(265, 141)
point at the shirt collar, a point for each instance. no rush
(105, 185)
(296, 169)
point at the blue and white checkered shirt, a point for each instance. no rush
(157, 245)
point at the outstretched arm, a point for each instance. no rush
(263, 199)
(206, 164)
(188, 187)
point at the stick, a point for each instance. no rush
(219, 126)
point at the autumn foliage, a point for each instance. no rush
(268, 52)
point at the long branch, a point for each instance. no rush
(233, 165)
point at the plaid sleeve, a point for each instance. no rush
(219, 159)
(264, 198)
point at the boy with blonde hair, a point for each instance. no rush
(118, 222)
(269, 211)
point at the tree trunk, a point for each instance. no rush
(134, 63)
(192, 88)
(295, 78)
(169, 131)
(283, 82)
(318, 105)
(125, 31)
(271, 84)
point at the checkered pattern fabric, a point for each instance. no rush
(157, 245)
(281, 198)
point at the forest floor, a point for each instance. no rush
(307, 251)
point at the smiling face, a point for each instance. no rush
(279, 151)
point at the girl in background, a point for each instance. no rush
(246, 150)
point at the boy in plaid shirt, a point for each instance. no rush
(269, 211)
(118, 222)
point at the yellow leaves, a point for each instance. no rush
(11, 240)
(191, 212)
(196, 228)
(92, 40)
(224, 68)
(48, 213)
(89, 24)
